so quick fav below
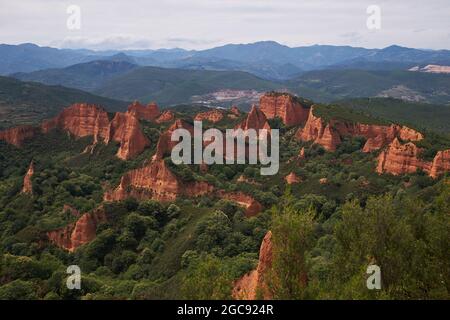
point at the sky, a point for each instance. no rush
(201, 24)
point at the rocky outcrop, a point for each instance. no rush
(16, 136)
(83, 120)
(330, 134)
(149, 112)
(126, 130)
(235, 111)
(165, 143)
(155, 181)
(255, 120)
(441, 164)
(166, 116)
(301, 154)
(78, 233)
(213, 116)
(292, 178)
(400, 158)
(27, 184)
(284, 106)
(253, 285)
(252, 206)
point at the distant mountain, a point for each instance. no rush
(267, 59)
(173, 86)
(84, 76)
(328, 85)
(29, 102)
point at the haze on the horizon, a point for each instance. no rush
(200, 24)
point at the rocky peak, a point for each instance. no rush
(292, 178)
(247, 287)
(149, 112)
(80, 232)
(284, 106)
(165, 143)
(235, 111)
(256, 119)
(27, 183)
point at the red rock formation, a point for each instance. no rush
(252, 206)
(255, 120)
(166, 116)
(316, 130)
(211, 116)
(329, 135)
(252, 283)
(441, 164)
(401, 158)
(301, 154)
(155, 181)
(284, 106)
(126, 130)
(81, 120)
(165, 143)
(89, 120)
(71, 210)
(16, 136)
(292, 178)
(27, 184)
(149, 112)
(81, 232)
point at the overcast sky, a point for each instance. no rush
(199, 24)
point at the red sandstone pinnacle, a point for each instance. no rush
(16, 136)
(89, 120)
(78, 233)
(126, 130)
(27, 184)
(247, 287)
(405, 158)
(213, 116)
(149, 112)
(255, 120)
(284, 106)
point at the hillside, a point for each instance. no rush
(406, 85)
(29, 102)
(174, 86)
(421, 115)
(84, 76)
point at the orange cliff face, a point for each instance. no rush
(284, 106)
(16, 136)
(401, 159)
(329, 134)
(165, 143)
(27, 184)
(317, 131)
(81, 232)
(83, 120)
(256, 119)
(405, 158)
(155, 181)
(213, 116)
(126, 130)
(252, 283)
(441, 164)
(149, 112)
(251, 205)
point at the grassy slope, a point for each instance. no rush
(30, 102)
(174, 86)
